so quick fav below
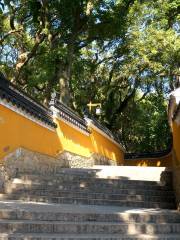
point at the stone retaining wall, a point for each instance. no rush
(25, 161)
(76, 161)
(176, 184)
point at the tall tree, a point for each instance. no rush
(115, 52)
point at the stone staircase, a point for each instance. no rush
(102, 203)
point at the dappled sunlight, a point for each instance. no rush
(109, 174)
(82, 185)
(165, 161)
(131, 229)
(158, 163)
(81, 216)
(147, 163)
(105, 147)
(88, 201)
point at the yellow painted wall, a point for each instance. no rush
(176, 142)
(105, 147)
(17, 131)
(73, 140)
(165, 161)
(176, 161)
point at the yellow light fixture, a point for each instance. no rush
(98, 110)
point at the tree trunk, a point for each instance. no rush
(65, 78)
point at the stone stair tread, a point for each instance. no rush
(87, 190)
(52, 198)
(118, 218)
(30, 226)
(136, 172)
(59, 193)
(81, 185)
(84, 177)
(130, 192)
(96, 168)
(69, 212)
(90, 236)
(72, 208)
(11, 221)
(57, 178)
(85, 204)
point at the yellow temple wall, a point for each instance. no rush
(103, 146)
(73, 140)
(18, 131)
(165, 161)
(176, 160)
(176, 142)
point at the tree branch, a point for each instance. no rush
(8, 34)
(25, 56)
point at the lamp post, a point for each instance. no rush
(98, 109)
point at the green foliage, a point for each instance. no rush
(123, 54)
(144, 126)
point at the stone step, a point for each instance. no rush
(133, 172)
(85, 176)
(16, 236)
(70, 177)
(68, 212)
(86, 201)
(60, 170)
(15, 187)
(91, 179)
(90, 185)
(51, 190)
(81, 217)
(104, 203)
(108, 172)
(26, 226)
(94, 195)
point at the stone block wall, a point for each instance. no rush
(25, 161)
(76, 161)
(3, 177)
(176, 181)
